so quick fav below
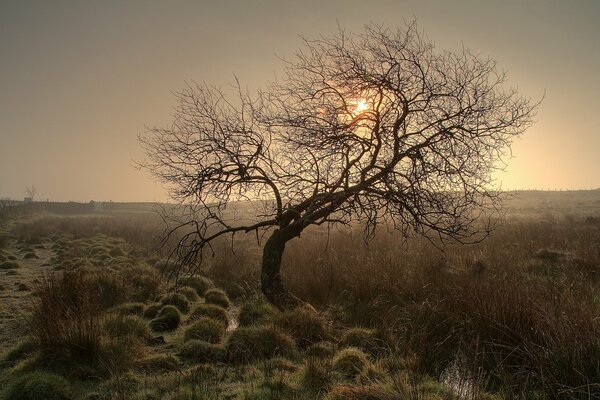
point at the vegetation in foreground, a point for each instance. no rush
(515, 317)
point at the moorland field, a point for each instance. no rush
(87, 310)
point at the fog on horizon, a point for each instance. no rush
(80, 80)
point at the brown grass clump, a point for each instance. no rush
(255, 343)
(303, 324)
(218, 297)
(350, 362)
(211, 311)
(205, 329)
(200, 283)
(168, 319)
(178, 300)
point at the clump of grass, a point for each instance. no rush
(159, 363)
(116, 251)
(66, 317)
(218, 297)
(350, 362)
(190, 293)
(178, 300)
(255, 342)
(303, 324)
(39, 386)
(363, 338)
(10, 265)
(206, 329)
(168, 319)
(256, 312)
(130, 309)
(367, 392)
(30, 255)
(212, 311)
(152, 310)
(321, 350)
(20, 351)
(200, 351)
(315, 375)
(199, 283)
(120, 325)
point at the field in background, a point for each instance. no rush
(516, 316)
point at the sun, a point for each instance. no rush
(361, 106)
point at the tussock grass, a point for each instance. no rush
(218, 297)
(210, 310)
(206, 329)
(255, 343)
(168, 319)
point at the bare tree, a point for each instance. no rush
(376, 127)
(31, 192)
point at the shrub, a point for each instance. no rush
(303, 324)
(212, 311)
(350, 362)
(200, 351)
(152, 310)
(250, 343)
(178, 300)
(39, 386)
(218, 297)
(200, 283)
(256, 312)
(10, 265)
(206, 329)
(168, 319)
(189, 292)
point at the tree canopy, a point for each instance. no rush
(374, 127)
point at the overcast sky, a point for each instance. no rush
(79, 80)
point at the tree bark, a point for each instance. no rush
(271, 283)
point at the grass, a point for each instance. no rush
(39, 386)
(517, 316)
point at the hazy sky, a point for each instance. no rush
(79, 80)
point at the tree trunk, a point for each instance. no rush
(272, 285)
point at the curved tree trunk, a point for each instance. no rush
(271, 283)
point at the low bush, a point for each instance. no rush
(252, 343)
(206, 329)
(212, 311)
(200, 351)
(218, 297)
(168, 319)
(39, 386)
